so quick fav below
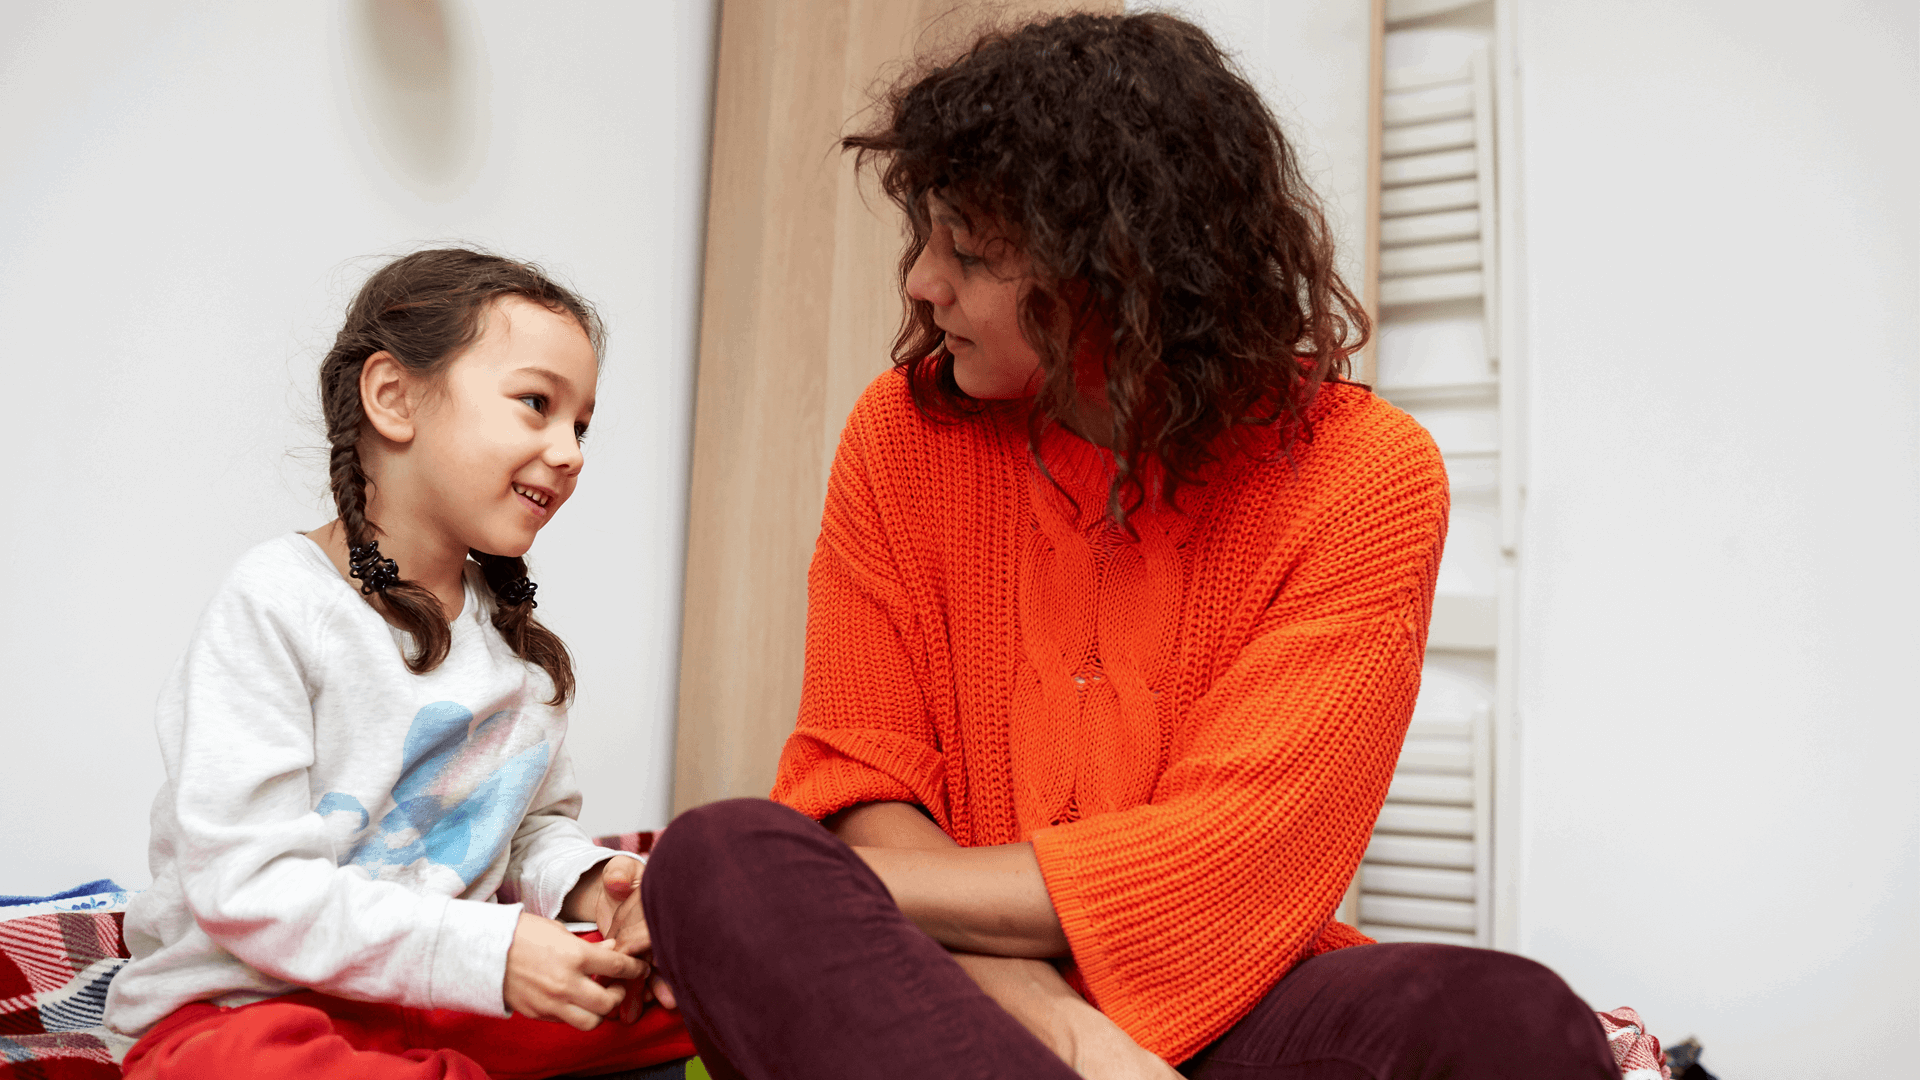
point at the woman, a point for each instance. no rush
(1114, 629)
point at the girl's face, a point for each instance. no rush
(496, 450)
(974, 282)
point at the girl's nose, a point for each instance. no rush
(926, 281)
(565, 454)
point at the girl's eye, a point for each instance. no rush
(536, 402)
(965, 259)
(579, 433)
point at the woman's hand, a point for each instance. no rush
(609, 898)
(550, 974)
(1101, 1051)
(1081, 1035)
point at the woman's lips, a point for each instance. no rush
(955, 341)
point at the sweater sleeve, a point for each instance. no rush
(257, 864)
(550, 850)
(864, 732)
(1183, 912)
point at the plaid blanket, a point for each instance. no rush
(1634, 1050)
(57, 955)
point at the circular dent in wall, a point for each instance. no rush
(414, 70)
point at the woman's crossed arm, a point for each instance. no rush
(990, 907)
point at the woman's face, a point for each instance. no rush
(974, 280)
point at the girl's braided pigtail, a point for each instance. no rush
(513, 605)
(409, 606)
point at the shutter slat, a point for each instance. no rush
(1421, 851)
(1424, 228)
(1418, 881)
(1431, 288)
(1426, 198)
(1424, 168)
(1430, 258)
(1417, 911)
(1394, 934)
(1420, 106)
(1427, 820)
(1437, 755)
(1424, 138)
(1421, 788)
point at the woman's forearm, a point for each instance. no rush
(989, 900)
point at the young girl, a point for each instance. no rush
(367, 831)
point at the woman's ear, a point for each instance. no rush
(385, 386)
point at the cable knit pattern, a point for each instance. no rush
(1195, 725)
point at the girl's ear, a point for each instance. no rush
(385, 386)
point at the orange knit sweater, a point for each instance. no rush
(1195, 729)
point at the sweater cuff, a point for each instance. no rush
(561, 873)
(469, 965)
(1083, 940)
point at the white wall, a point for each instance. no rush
(1721, 728)
(188, 196)
(1311, 61)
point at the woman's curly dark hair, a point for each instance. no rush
(1155, 195)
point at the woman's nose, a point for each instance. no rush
(926, 282)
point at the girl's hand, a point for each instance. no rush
(550, 974)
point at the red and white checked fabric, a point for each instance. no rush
(54, 971)
(1634, 1050)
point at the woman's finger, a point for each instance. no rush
(630, 927)
(662, 993)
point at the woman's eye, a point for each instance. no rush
(965, 259)
(579, 433)
(536, 402)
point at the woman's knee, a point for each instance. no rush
(723, 854)
(1491, 998)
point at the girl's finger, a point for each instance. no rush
(578, 1018)
(662, 992)
(594, 998)
(611, 963)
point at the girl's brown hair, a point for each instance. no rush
(1158, 201)
(423, 310)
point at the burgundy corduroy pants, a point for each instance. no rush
(790, 959)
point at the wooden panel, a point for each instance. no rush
(799, 304)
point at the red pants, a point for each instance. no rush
(309, 1034)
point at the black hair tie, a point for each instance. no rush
(365, 564)
(516, 592)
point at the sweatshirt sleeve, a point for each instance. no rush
(550, 851)
(256, 863)
(864, 733)
(1183, 912)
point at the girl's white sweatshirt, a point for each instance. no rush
(332, 821)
